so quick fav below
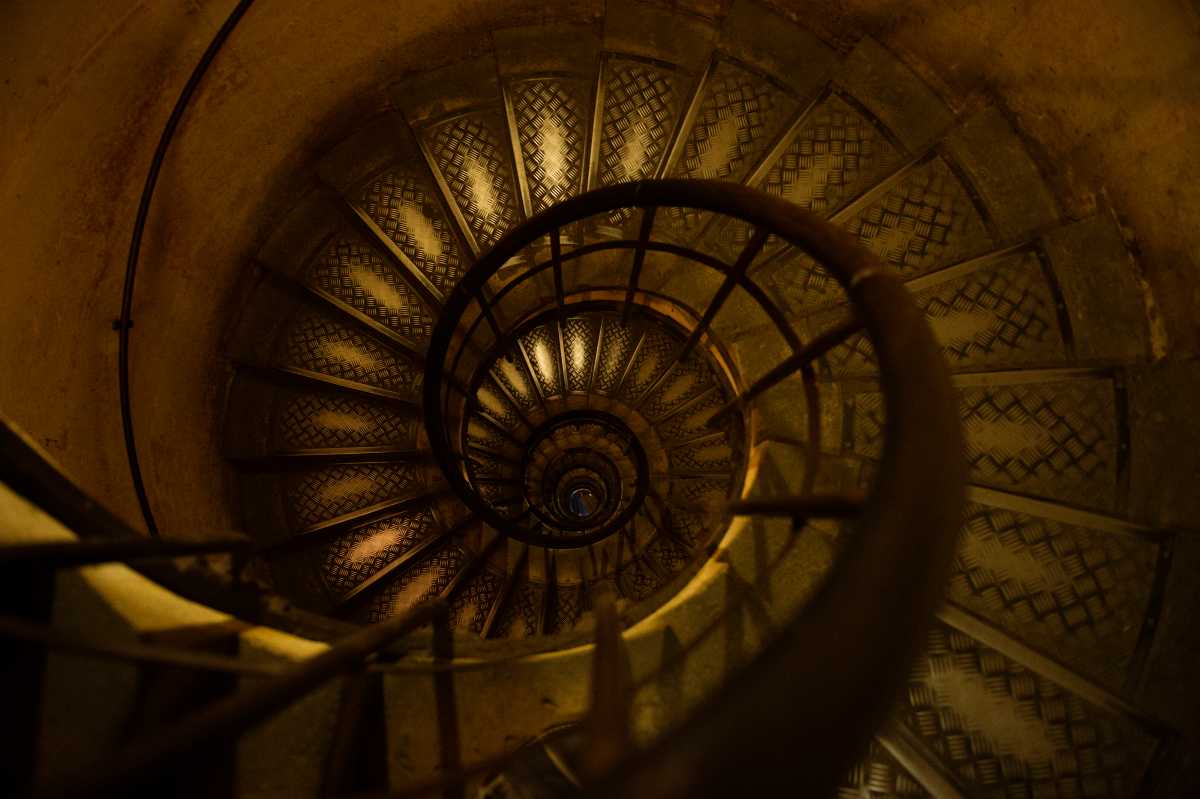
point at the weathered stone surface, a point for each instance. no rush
(909, 108)
(775, 45)
(639, 29)
(1099, 286)
(995, 159)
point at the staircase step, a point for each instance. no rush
(895, 95)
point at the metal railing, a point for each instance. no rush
(865, 622)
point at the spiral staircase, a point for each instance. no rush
(511, 352)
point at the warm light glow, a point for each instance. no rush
(632, 150)
(514, 376)
(345, 352)
(543, 360)
(1015, 733)
(555, 153)
(346, 422)
(983, 551)
(578, 350)
(480, 190)
(722, 143)
(336, 492)
(412, 593)
(373, 545)
(386, 294)
(421, 229)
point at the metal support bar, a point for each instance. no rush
(735, 275)
(639, 257)
(814, 349)
(161, 751)
(610, 715)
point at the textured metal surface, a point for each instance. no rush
(541, 348)
(879, 776)
(337, 490)
(421, 581)
(358, 554)
(1079, 594)
(689, 378)
(470, 152)
(1009, 733)
(1057, 440)
(641, 106)
(693, 494)
(521, 612)
(551, 121)
(359, 277)
(616, 348)
(714, 456)
(405, 207)
(636, 581)
(691, 419)
(925, 219)
(1001, 314)
(471, 603)
(510, 372)
(652, 358)
(320, 344)
(579, 343)
(838, 152)
(738, 117)
(491, 400)
(316, 421)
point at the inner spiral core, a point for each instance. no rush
(584, 475)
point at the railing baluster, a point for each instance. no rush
(639, 256)
(609, 717)
(814, 349)
(556, 257)
(160, 752)
(812, 404)
(735, 275)
(357, 760)
(449, 738)
(486, 308)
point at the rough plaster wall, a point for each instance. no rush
(86, 90)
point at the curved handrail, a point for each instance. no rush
(125, 322)
(841, 662)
